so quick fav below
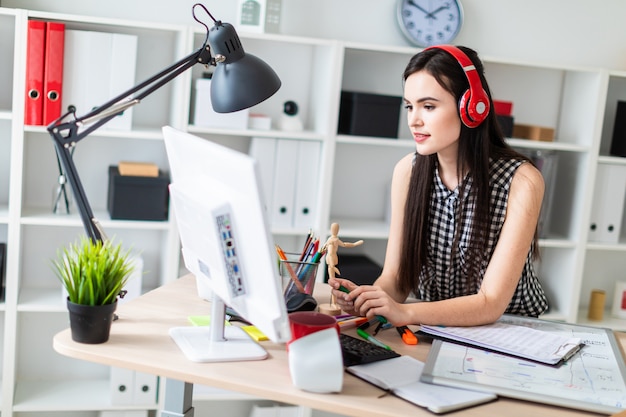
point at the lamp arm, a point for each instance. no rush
(66, 134)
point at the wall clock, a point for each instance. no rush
(430, 22)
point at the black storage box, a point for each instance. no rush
(360, 269)
(137, 198)
(506, 125)
(618, 143)
(365, 114)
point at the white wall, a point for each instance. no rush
(590, 33)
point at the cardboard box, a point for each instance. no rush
(365, 114)
(137, 198)
(503, 108)
(545, 134)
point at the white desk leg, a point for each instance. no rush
(178, 399)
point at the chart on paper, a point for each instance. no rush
(593, 379)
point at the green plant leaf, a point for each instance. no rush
(93, 273)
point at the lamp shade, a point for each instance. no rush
(241, 80)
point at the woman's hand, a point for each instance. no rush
(341, 297)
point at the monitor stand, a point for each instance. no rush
(217, 342)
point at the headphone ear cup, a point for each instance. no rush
(474, 110)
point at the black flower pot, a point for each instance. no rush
(90, 324)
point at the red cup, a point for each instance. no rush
(303, 323)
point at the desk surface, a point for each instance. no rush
(140, 341)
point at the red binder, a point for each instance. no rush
(53, 71)
(33, 112)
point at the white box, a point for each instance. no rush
(204, 115)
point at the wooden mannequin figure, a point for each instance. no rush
(332, 259)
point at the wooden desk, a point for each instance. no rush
(140, 341)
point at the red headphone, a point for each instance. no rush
(474, 103)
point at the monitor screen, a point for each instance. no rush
(224, 232)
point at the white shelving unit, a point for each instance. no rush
(355, 174)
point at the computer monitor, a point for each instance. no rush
(224, 232)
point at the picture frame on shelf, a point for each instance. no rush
(619, 300)
(259, 16)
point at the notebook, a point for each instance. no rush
(401, 377)
(515, 336)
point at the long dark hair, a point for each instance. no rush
(476, 147)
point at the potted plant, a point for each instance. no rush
(94, 274)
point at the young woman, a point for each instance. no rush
(465, 206)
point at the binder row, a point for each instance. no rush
(608, 203)
(83, 69)
(289, 171)
(44, 72)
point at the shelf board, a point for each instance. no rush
(555, 146)
(617, 247)
(375, 141)
(136, 133)
(556, 243)
(615, 160)
(608, 320)
(363, 228)
(41, 300)
(279, 134)
(68, 395)
(44, 217)
(6, 115)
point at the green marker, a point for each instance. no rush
(379, 318)
(371, 339)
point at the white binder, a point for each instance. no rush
(284, 183)
(307, 182)
(98, 66)
(145, 389)
(122, 75)
(263, 150)
(121, 385)
(608, 203)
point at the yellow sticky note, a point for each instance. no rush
(254, 333)
(203, 320)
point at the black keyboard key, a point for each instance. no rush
(358, 351)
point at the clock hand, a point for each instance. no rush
(433, 13)
(417, 6)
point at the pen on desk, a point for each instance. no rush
(351, 322)
(381, 319)
(371, 338)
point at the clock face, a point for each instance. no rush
(430, 22)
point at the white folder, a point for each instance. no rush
(307, 181)
(98, 66)
(608, 203)
(122, 75)
(145, 389)
(284, 183)
(263, 150)
(122, 382)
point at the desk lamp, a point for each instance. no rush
(240, 80)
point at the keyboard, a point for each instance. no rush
(357, 351)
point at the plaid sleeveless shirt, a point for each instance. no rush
(444, 277)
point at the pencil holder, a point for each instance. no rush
(298, 279)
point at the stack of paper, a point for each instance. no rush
(521, 341)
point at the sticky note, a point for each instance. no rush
(254, 333)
